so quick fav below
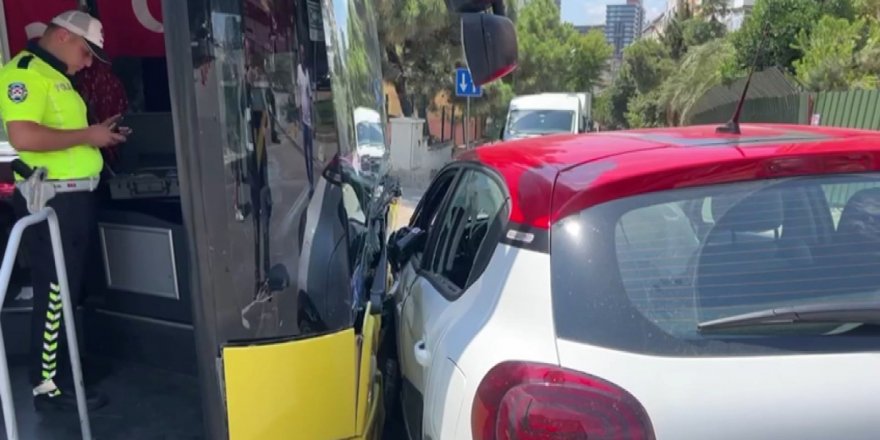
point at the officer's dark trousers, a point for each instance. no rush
(76, 217)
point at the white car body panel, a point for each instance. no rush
(804, 397)
(7, 153)
(408, 320)
(505, 315)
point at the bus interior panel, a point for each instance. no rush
(135, 322)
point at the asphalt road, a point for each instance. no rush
(406, 206)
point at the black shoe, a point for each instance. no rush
(66, 401)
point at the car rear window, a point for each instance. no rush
(642, 273)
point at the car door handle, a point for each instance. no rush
(423, 356)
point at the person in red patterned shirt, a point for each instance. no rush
(104, 95)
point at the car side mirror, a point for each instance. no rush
(490, 46)
(403, 244)
(333, 171)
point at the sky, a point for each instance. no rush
(582, 12)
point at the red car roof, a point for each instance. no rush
(594, 168)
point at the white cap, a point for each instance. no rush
(86, 26)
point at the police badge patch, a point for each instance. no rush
(17, 92)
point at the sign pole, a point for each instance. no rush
(465, 87)
(467, 125)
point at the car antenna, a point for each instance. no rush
(732, 126)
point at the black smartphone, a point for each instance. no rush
(118, 126)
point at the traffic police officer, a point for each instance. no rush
(46, 121)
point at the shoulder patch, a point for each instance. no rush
(17, 92)
(25, 61)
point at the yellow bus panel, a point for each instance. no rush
(292, 390)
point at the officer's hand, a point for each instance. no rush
(112, 121)
(102, 136)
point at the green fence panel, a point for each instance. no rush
(782, 110)
(853, 109)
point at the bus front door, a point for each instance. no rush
(289, 230)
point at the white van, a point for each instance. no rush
(370, 138)
(547, 113)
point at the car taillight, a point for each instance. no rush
(6, 190)
(528, 401)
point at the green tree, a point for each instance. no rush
(673, 37)
(613, 103)
(553, 56)
(868, 57)
(646, 110)
(839, 55)
(785, 21)
(493, 105)
(418, 39)
(589, 59)
(714, 10)
(698, 31)
(421, 45)
(703, 68)
(867, 8)
(648, 63)
(602, 108)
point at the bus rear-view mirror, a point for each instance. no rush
(490, 46)
(471, 5)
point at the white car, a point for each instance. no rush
(672, 284)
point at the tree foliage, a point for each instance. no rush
(421, 47)
(553, 56)
(703, 68)
(697, 32)
(614, 102)
(827, 44)
(661, 81)
(646, 111)
(648, 63)
(839, 55)
(867, 8)
(714, 10)
(785, 21)
(418, 42)
(673, 36)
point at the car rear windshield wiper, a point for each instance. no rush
(843, 313)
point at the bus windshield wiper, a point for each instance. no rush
(843, 313)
